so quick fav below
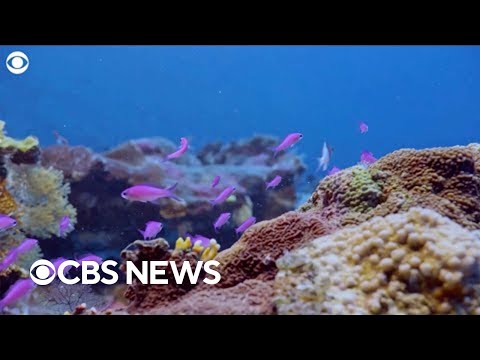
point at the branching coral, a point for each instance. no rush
(442, 179)
(42, 199)
(417, 262)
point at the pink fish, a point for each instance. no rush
(9, 259)
(222, 219)
(6, 222)
(367, 158)
(63, 226)
(224, 195)
(289, 141)
(90, 257)
(13, 254)
(245, 225)
(56, 264)
(363, 127)
(274, 183)
(204, 241)
(334, 170)
(152, 228)
(181, 150)
(148, 193)
(26, 245)
(60, 139)
(18, 290)
(215, 181)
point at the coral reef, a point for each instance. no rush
(42, 199)
(418, 262)
(144, 297)
(251, 297)
(98, 179)
(442, 179)
(24, 151)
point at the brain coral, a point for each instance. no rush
(42, 199)
(255, 253)
(418, 262)
(442, 179)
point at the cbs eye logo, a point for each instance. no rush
(17, 62)
(42, 272)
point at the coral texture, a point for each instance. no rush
(418, 262)
(443, 179)
(42, 199)
(147, 296)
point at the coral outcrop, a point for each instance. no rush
(418, 262)
(98, 179)
(442, 179)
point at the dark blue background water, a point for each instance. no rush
(415, 96)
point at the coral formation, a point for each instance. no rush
(98, 179)
(251, 297)
(254, 255)
(418, 262)
(144, 297)
(7, 203)
(24, 151)
(442, 179)
(42, 199)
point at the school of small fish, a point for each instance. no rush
(153, 193)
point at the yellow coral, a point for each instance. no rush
(211, 251)
(7, 203)
(21, 145)
(182, 244)
(418, 262)
(42, 199)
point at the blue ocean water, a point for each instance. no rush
(99, 96)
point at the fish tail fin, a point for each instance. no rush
(142, 232)
(171, 188)
(266, 183)
(212, 202)
(176, 198)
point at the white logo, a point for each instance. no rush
(17, 62)
(42, 272)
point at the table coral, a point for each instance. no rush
(442, 179)
(417, 262)
(24, 151)
(42, 198)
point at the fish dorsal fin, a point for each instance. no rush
(172, 187)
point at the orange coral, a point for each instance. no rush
(442, 179)
(7, 203)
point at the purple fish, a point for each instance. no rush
(224, 195)
(363, 127)
(181, 150)
(9, 259)
(56, 264)
(290, 140)
(274, 183)
(367, 158)
(245, 225)
(6, 222)
(26, 245)
(204, 241)
(215, 181)
(63, 226)
(152, 228)
(18, 290)
(222, 219)
(89, 257)
(334, 170)
(148, 193)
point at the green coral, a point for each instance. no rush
(21, 145)
(363, 193)
(42, 199)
